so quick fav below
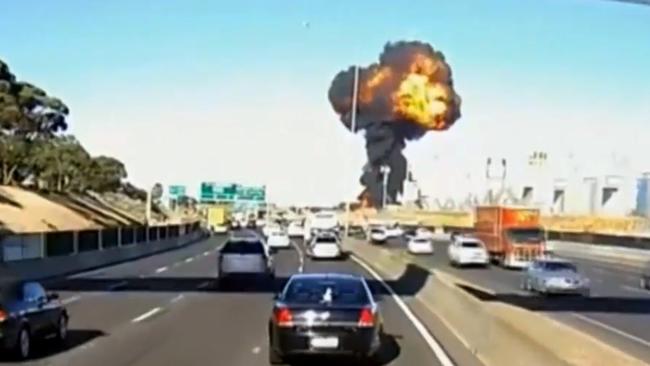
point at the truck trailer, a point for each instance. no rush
(513, 236)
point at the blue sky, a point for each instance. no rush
(185, 91)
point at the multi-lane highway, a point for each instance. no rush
(167, 310)
(618, 311)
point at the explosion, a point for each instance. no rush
(409, 92)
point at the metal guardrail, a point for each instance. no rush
(35, 246)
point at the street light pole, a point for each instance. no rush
(385, 170)
(353, 128)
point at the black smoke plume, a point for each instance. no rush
(390, 115)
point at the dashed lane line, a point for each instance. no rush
(146, 315)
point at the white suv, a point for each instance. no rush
(325, 246)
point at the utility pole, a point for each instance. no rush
(353, 128)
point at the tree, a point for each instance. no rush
(27, 114)
(105, 174)
(61, 163)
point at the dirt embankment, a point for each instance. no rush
(24, 210)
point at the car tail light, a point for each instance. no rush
(366, 318)
(283, 317)
(3, 315)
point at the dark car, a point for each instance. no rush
(320, 313)
(28, 312)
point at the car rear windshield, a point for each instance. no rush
(328, 291)
(558, 266)
(326, 239)
(243, 247)
(471, 244)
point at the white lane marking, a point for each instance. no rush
(206, 253)
(301, 256)
(435, 347)
(203, 284)
(256, 350)
(178, 298)
(117, 285)
(612, 329)
(634, 289)
(71, 299)
(188, 260)
(161, 269)
(146, 315)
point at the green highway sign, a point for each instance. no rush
(176, 191)
(257, 194)
(213, 192)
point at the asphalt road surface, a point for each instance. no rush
(618, 311)
(167, 310)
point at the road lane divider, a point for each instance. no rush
(612, 329)
(435, 347)
(162, 269)
(146, 315)
(177, 298)
(70, 300)
(495, 331)
(301, 256)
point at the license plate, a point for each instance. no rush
(324, 342)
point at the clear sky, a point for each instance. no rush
(187, 90)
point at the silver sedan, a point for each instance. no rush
(555, 276)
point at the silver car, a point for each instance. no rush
(244, 257)
(555, 276)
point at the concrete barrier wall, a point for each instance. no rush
(46, 267)
(605, 253)
(497, 333)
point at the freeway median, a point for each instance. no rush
(503, 325)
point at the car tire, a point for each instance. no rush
(275, 358)
(61, 335)
(23, 347)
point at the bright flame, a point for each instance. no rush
(422, 101)
(367, 90)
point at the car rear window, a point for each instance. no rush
(326, 239)
(331, 291)
(243, 247)
(558, 266)
(471, 244)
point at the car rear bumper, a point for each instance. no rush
(565, 291)
(361, 342)
(473, 260)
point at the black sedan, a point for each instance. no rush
(28, 312)
(324, 313)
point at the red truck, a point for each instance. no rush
(513, 236)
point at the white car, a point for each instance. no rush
(467, 251)
(295, 230)
(423, 233)
(278, 239)
(394, 232)
(324, 247)
(378, 234)
(420, 245)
